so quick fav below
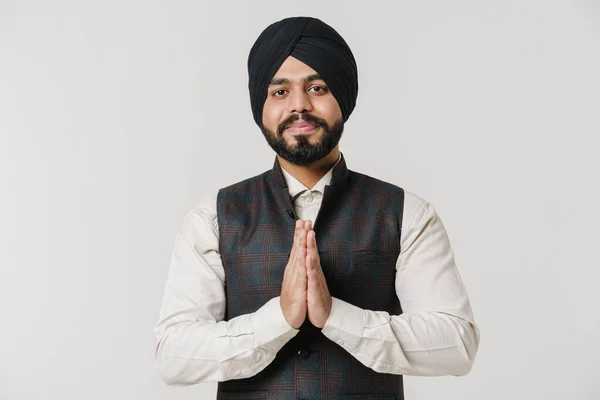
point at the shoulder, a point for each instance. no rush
(371, 183)
(206, 209)
(413, 207)
(202, 217)
(245, 186)
(413, 204)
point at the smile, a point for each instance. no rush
(301, 129)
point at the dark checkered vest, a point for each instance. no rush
(358, 232)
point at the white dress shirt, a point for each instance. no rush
(435, 335)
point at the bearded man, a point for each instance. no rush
(311, 281)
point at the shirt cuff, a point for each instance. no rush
(271, 329)
(345, 324)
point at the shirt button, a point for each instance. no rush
(303, 353)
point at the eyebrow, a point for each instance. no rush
(286, 81)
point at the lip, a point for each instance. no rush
(301, 128)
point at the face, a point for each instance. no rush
(302, 120)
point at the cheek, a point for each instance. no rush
(270, 116)
(331, 111)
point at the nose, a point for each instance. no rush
(299, 101)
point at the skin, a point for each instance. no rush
(304, 290)
(294, 90)
(297, 88)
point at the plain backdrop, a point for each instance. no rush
(116, 117)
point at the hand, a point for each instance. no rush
(319, 299)
(294, 286)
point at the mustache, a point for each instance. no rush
(305, 117)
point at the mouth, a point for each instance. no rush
(302, 128)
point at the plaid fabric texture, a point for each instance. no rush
(358, 232)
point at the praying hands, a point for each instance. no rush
(304, 289)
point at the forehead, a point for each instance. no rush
(292, 67)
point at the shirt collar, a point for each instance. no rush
(295, 186)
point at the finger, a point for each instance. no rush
(302, 245)
(298, 233)
(310, 266)
(311, 273)
(299, 225)
(313, 264)
(307, 225)
(301, 237)
(295, 241)
(311, 244)
(310, 239)
(316, 279)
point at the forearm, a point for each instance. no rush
(190, 351)
(418, 343)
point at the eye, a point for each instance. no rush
(319, 89)
(279, 93)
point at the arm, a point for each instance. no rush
(194, 344)
(436, 334)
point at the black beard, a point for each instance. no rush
(305, 153)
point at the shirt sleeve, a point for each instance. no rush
(194, 343)
(436, 334)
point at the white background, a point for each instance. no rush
(116, 117)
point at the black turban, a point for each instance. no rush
(311, 41)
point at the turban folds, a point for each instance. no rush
(311, 41)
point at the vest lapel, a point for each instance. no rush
(338, 180)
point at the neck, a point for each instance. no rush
(309, 175)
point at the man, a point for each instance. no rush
(311, 281)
